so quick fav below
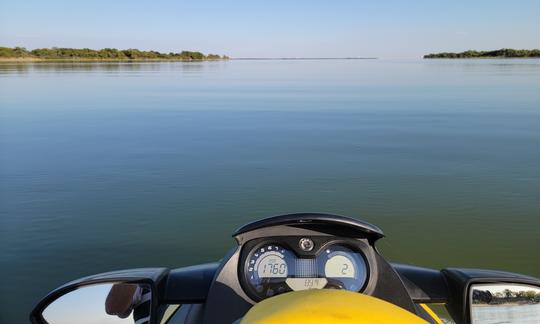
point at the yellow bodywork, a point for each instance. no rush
(328, 306)
(431, 313)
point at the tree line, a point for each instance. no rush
(505, 52)
(505, 296)
(60, 53)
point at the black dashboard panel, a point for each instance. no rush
(293, 253)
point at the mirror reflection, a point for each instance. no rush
(109, 303)
(504, 303)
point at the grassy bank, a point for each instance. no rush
(502, 53)
(21, 54)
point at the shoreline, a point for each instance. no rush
(85, 60)
(163, 60)
(76, 60)
(300, 58)
(498, 54)
(481, 58)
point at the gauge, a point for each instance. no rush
(267, 269)
(272, 268)
(343, 268)
(339, 266)
(271, 265)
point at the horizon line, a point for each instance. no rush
(302, 58)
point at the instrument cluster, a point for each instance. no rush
(272, 268)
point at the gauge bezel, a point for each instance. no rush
(245, 273)
(362, 249)
(356, 253)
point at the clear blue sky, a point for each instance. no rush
(274, 28)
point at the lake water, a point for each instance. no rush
(106, 166)
(507, 314)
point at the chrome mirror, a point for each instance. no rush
(504, 303)
(104, 303)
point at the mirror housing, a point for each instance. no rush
(460, 281)
(151, 277)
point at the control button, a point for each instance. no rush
(306, 244)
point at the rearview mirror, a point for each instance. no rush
(106, 303)
(504, 303)
(129, 296)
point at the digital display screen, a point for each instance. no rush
(306, 283)
(339, 266)
(272, 266)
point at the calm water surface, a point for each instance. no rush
(500, 314)
(109, 166)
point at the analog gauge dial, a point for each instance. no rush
(267, 269)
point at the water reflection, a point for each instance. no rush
(123, 67)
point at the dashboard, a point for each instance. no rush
(303, 251)
(279, 265)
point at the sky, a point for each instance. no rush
(274, 28)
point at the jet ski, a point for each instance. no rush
(296, 268)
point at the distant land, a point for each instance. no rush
(106, 54)
(502, 53)
(302, 58)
